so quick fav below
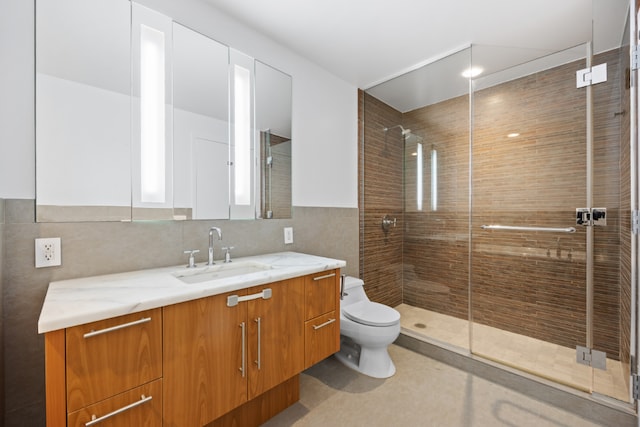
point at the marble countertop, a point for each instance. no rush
(78, 301)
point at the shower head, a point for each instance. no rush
(405, 132)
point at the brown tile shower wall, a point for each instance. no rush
(625, 217)
(381, 194)
(531, 283)
(436, 250)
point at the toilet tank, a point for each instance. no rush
(354, 291)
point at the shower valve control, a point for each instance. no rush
(591, 217)
(388, 222)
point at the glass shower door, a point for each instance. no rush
(536, 275)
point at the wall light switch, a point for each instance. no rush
(288, 235)
(48, 252)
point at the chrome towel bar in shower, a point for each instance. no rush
(519, 228)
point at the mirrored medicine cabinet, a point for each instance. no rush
(139, 117)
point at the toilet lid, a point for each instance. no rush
(371, 313)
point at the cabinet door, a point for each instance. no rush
(112, 356)
(203, 341)
(140, 407)
(276, 335)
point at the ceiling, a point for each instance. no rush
(366, 42)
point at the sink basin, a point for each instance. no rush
(219, 271)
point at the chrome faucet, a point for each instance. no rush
(211, 230)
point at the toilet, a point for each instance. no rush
(366, 330)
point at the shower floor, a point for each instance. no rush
(546, 360)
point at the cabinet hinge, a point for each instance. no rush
(635, 57)
(635, 389)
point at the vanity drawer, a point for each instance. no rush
(321, 293)
(112, 356)
(141, 406)
(321, 338)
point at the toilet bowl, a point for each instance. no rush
(366, 330)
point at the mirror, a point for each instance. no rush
(97, 156)
(273, 122)
(83, 111)
(200, 125)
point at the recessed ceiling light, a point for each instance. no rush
(513, 135)
(472, 72)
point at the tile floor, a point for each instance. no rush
(549, 361)
(423, 392)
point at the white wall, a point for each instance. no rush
(17, 130)
(324, 106)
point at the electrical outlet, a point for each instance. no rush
(288, 235)
(48, 252)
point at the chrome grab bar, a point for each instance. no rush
(519, 228)
(96, 420)
(117, 327)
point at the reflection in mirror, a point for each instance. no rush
(273, 120)
(152, 142)
(83, 111)
(200, 126)
(242, 194)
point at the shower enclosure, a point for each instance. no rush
(507, 200)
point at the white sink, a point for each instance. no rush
(219, 271)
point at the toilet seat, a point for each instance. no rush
(371, 313)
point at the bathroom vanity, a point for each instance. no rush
(214, 345)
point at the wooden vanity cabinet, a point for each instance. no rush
(101, 362)
(206, 361)
(217, 357)
(322, 307)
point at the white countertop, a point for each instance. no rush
(77, 301)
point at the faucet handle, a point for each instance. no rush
(192, 259)
(227, 253)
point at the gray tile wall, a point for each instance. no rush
(90, 249)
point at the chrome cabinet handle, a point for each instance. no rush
(326, 276)
(118, 327)
(242, 366)
(96, 420)
(328, 322)
(233, 300)
(259, 322)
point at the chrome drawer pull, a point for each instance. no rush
(233, 300)
(259, 361)
(326, 276)
(328, 322)
(95, 420)
(243, 366)
(115, 328)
